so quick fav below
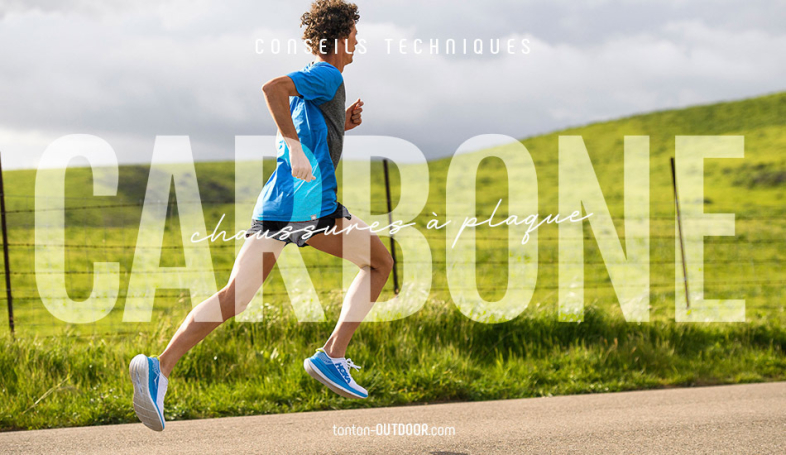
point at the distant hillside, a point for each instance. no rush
(748, 265)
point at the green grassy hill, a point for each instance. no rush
(254, 368)
(744, 266)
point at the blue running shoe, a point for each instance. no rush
(334, 373)
(149, 390)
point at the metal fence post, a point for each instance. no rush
(390, 221)
(5, 253)
(679, 226)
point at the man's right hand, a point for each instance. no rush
(298, 161)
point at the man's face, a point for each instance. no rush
(349, 46)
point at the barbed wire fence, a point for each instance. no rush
(106, 234)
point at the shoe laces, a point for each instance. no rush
(344, 366)
(349, 362)
(352, 364)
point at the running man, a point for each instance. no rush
(308, 107)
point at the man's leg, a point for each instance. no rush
(365, 249)
(252, 266)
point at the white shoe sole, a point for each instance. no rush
(144, 406)
(316, 374)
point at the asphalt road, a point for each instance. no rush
(711, 420)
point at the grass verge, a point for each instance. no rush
(436, 355)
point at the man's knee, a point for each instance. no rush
(383, 262)
(232, 302)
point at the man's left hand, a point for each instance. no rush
(353, 115)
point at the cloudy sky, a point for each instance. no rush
(128, 71)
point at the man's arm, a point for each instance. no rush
(277, 92)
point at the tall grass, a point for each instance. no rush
(435, 356)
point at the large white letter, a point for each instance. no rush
(146, 275)
(629, 273)
(460, 202)
(689, 163)
(414, 188)
(249, 180)
(50, 229)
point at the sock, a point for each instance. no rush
(326, 354)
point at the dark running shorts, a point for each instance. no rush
(294, 234)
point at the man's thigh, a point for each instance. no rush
(256, 259)
(353, 241)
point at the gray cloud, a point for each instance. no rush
(133, 70)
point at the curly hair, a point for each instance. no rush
(328, 20)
